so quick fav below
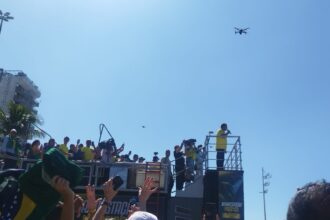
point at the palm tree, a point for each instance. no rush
(20, 118)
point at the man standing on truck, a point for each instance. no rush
(221, 145)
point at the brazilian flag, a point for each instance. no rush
(29, 195)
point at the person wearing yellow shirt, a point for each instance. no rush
(221, 145)
(190, 159)
(87, 151)
(63, 148)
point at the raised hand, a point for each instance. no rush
(91, 198)
(78, 203)
(62, 186)
(146, 191)
(109, 192)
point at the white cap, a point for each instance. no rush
(140, 215)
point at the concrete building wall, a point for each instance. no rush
(18, 88)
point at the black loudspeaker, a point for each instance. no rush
(211, 191)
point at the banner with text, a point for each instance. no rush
(231, 195)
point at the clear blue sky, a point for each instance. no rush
(178, 68)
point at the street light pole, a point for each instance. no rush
(4, 17)
(265, 183)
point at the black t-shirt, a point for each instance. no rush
(179, 159)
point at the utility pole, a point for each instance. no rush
(4, 17)
(265, 184)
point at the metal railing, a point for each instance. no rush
(97, 172)
(233, 154)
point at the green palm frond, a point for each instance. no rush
(20, 118)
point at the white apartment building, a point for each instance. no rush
(16, 86)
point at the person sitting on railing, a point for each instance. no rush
(165, 161)
(221, 145)
(12, 148)
(35, 151)
(179, 166)
(200, 157)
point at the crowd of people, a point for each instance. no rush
(12, 147)
(189, 158)
(106, 152)
(45, 190)
(70, 203)
(188, 163)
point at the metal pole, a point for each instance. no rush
(264, 192)
(265, 182)
(1, 24)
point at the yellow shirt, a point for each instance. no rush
(88, 153)
(191, 153)
(64, 149)
(221, 141)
